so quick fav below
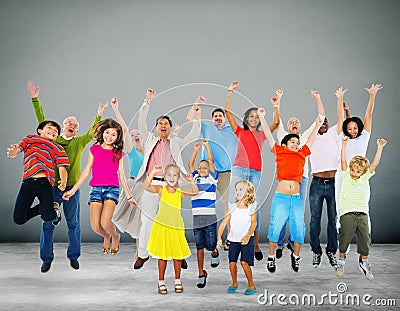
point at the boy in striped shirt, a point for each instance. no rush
(353, 207)
(41, 155)
(203, 209)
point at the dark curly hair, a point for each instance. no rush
(357, 120)
(99, 129)
(246, 115)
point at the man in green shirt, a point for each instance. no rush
(73, 146)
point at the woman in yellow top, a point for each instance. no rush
(167, 238)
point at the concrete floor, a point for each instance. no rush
(109, 282)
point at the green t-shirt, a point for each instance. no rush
(73, 147)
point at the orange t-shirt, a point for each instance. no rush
(290, 164)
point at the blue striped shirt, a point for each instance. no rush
(204, 202)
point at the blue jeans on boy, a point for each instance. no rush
(303, 197)
(254, 176)
(320, 189)
(72, 217)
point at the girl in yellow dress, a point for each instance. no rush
(167, 238)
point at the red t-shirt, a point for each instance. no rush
(249, 149)
(290, 164)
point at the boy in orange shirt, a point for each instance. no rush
(287, 204)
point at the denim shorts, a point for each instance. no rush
(246, 252)
(205, 231)
(102, 193)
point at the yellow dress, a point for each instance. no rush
(167, 238)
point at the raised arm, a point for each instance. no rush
(125, 129)
(368, 113)
(339, 94)
(381, 142)
(124, 183)
(143, 112)
(265, 127)
(320, 106)
(147, 182)
(343, 160)
(311, 137)
(229, 115)
(209, 155)
(275, 101)
(34, 93)
(192, 159)
(346, 109)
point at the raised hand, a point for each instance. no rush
(345, 140)
(200, 100)
(33, 91)
(205, 142)
(189, 178)
(340, 92)
(261, 110)
(233, 86)
(114, 102)
(381, 142)
(346, 107)
(315, 94)
(275, 101)
(176, 129)
(374, 89)
(279, 93)
(102, 108)
(150, 94)
(196, 146)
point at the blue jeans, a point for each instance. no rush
(254, 176)
(320, 189)
(72, 217)
(303, 197)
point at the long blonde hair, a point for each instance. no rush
(250, 196)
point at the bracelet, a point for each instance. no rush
(275, 106)
(146, 101)
(128, 198)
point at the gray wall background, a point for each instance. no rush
(83, 52)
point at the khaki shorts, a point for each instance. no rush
(224, 179)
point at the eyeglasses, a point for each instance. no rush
(73, 125)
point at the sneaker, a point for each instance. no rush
(332, 259)
(271, 267)
(45, 267)
(316, 260)
(290, 247)
(365, 268)
(214, 262)
(340, 270)
(57, 220)
(295, 262)
(279, 252)
(74, 263)
(226, 246)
